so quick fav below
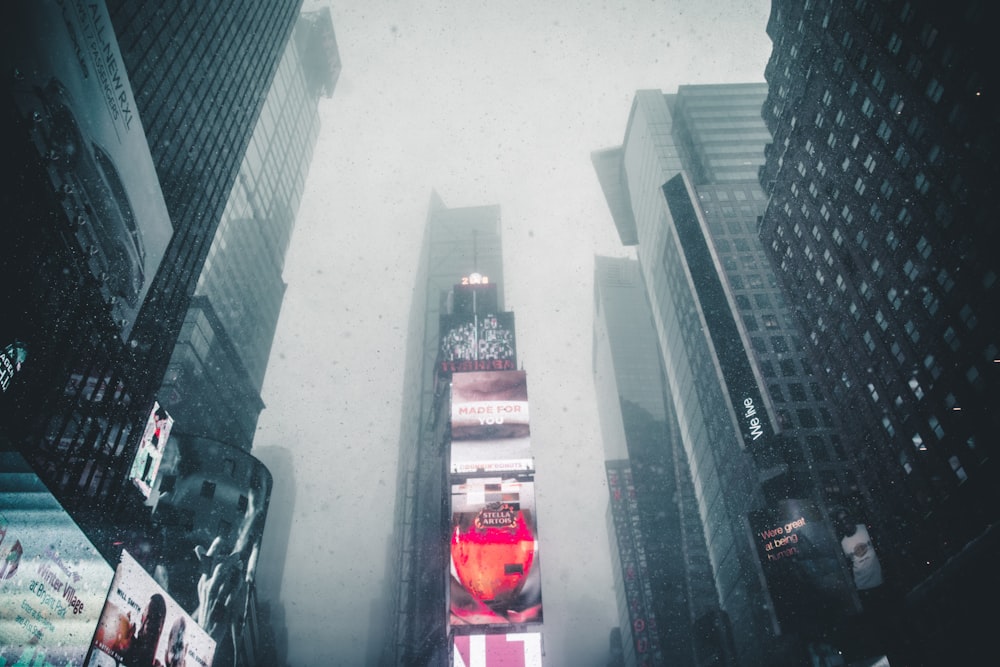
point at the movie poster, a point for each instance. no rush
(141, 624)
(53, 581)
(495, 576)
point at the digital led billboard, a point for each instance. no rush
(471, 342)
(490, 425)
(53, 581)
(74, 93)
(802, 564)
(150, 452)
(495, 578)
(141, 623)
(514, 649)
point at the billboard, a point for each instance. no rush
(73, 91)
(801, 561)
(471, 342)
(53, 581)
(495, 577)
(514, 649)
(141, 623)
(150, 452)
(12, 358)
(490, 422)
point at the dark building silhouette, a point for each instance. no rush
(881, 224)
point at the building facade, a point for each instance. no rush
(115, 211)
(457, 242)
(683, 188)
(880, 222)
(662, 573)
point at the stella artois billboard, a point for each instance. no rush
(495, 578)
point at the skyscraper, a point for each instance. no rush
(212, 386)
(114, 213)
(457, 242)
(881, 223)
(683, 188)
(658, 544)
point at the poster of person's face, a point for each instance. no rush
(53, 581)
(490, 423)
(142, 626)
(495, 577)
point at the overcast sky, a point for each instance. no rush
(486, 103)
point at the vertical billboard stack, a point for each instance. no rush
(495, 597)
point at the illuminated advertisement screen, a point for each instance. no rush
(141, 623)
(495, 578)
(515, 649)
(53, 581)
(802, 564)
(82, 116)
(150, 453)
(489, 422)
(477, 343)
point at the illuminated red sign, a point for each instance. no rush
(494, 553)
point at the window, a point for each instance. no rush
(878, 81)
(867, 108)
(806, 418)
(895, 44)
(207, 489)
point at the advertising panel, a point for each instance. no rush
(472, 342)
(150, 452)
(632, 555)
(210, 502)
(801, 561)
(490, 422)
(141, 623)
(495, 577)
(73, 90)
(515, 649)
(53, 581)
(12, 358)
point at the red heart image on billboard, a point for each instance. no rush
(493, 555)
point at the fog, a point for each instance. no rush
(484, 103)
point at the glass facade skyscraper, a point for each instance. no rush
(683, 188)
(669, 614)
